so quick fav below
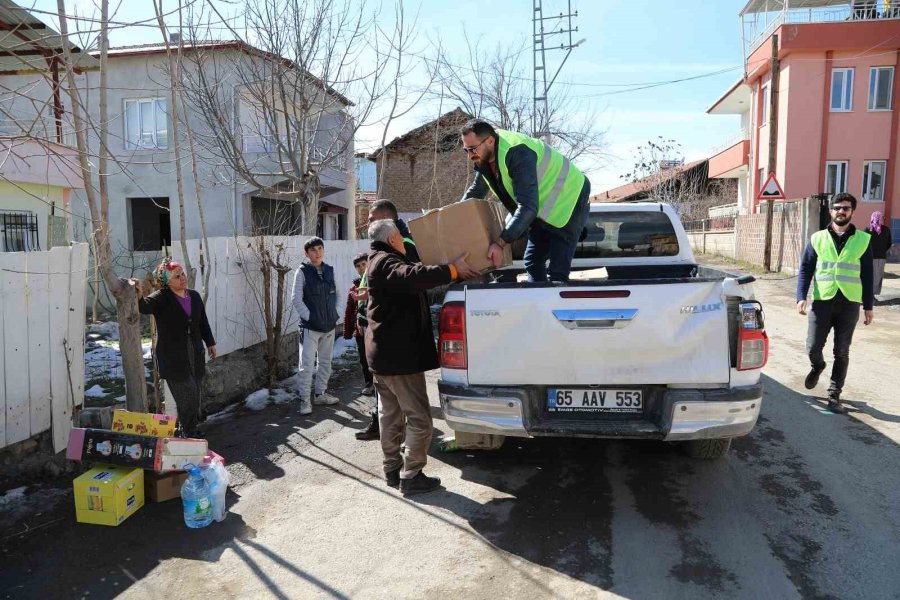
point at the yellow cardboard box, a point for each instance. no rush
(107, 495)
(143, 423)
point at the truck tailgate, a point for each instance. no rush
(661, 333)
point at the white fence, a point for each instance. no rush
(42, 319)
(234, 302)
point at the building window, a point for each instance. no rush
(18, 231)
(146, 124)
(275, 217)
(881, 83)
(873, 180)
(764, 109)
(150, 225)
(836, 176)
(761, 179)
(841, 90)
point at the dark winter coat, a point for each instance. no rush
(399, 338)
(175, 330)
(320, 297)
(881, 242)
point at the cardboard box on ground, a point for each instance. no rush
(470, 226)
(107, 494)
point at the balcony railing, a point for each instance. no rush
(18, 231)
(36, 128)
(760, 25)
(731, 140)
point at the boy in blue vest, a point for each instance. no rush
(837, 263)
(315, 300)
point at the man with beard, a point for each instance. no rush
(838, 264)
(546, 195)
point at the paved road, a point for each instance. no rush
(807, 506)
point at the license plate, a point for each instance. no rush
(599, 400)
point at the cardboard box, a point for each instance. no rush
(141, 451)
(468, 226)
(107, 495)
(160, 487)
(177, 453)
(143, 423)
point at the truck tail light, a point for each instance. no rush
(452, 336)
(753, 343)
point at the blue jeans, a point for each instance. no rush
(546, 242)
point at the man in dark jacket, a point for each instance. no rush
(315, 300)
(547, 196)
(400, 348)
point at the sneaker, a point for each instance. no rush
(834, 404)
(393, 478)
(325, 398)
(369, 390)
(419, 484)
(372, 432)
(305, 407)
(812, 378)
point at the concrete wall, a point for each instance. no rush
(719, 243)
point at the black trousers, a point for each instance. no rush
(363, 363)
(838, 314)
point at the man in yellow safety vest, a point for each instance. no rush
(543, 191)
(838, 264)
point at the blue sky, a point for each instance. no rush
(628, 42)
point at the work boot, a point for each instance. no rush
(325, 398)
(812, 378)
(834, 404)
(305, 407)
(419, 484)
(372, 432)
(393, 478)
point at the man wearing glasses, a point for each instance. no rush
(545, 194)
(838, 264)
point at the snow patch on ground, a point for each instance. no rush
(95, 392)
(18, 504)
(108, 329)
(223, 414)
(102, 359)
(342, 348)
(258, 400)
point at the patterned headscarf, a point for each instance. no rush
(164, 270)
(876, 221)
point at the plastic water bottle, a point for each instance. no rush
(195, 498)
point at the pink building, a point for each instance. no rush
(836, 124)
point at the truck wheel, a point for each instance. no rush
(707, 449)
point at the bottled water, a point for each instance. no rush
(217, 477)
(195, 498)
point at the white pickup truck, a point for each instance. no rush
(650, 345)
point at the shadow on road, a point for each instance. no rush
(569, 504)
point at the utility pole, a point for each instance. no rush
(544, 29)
(773, 147)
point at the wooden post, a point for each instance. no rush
(773, 146)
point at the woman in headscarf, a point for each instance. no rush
(881, 243)
(182, 330)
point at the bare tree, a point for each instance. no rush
(497, 86)
(97, 195)
(280, 115)
(661, 175)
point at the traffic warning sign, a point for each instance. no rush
(771, 190)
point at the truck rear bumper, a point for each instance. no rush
(672, 415)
